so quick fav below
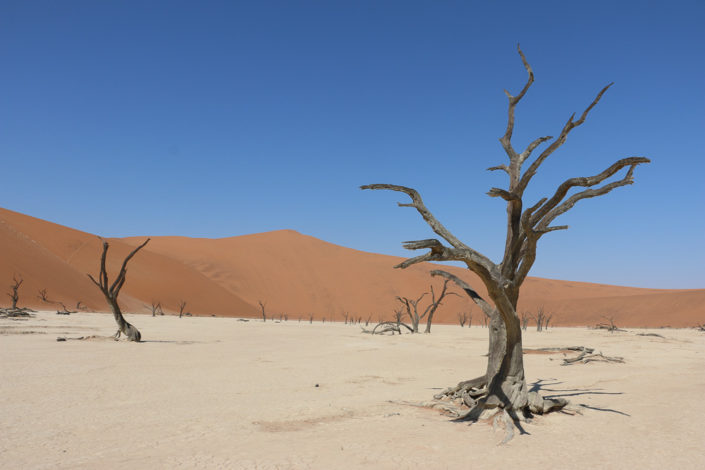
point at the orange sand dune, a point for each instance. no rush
(57, 258)
(294, 274)
(299, 274)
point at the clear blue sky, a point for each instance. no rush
(214, 119)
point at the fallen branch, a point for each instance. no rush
(650, 334)
(586, 357)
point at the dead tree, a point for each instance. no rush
(524, 320)
(111, 291)
(462, 318)
(261, 306)
(156, 307)
(525, 226)
(182, 306)
(547, 321)
(43, 296)
(14, 295)
(412, 310)
(611, 327)
(540, 318)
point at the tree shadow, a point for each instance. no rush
(541, 385)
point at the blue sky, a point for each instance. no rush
(214, 119)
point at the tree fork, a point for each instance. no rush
(111, 292)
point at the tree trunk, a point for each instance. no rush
(507, 387)
(124, 327)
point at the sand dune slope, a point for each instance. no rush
(299, 274)
(57, 258)
(294, 274)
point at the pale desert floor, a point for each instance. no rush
(220, 393)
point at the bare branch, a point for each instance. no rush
(589, 193)
(120, 279)
(506, 139)
(569, 126)
(504, 168)
(532, 146)
(506, 195)
(482, 303)
(475, 260)
(586, 182)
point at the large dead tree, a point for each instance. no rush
(507, 388)
(111, 292)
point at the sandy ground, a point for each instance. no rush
(220, 393)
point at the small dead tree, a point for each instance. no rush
(611, 327)
(547, 321)
(80, 306)
(43, 296)
(367, 322)
(261, 306)
(462, 318)
(156, 307)
(526, 224)
(111, 291)
(412, 310)
(345, 317)
(14, 295)
(524, 320)
(540, 318)
(182, 306)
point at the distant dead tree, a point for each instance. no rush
(310, 318)
(540, 317)
(611, 327)
(43, 296)
(261, 306)
(367, 322)
(700, 327)
(462, 318)
(524, 320)
(526, 224)
(156, 307)
(345, 317)
(182, 306)
(111, 291)
(412, 309)
(80, 306)
(14, 295)
(547, 321)
(64, 310)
